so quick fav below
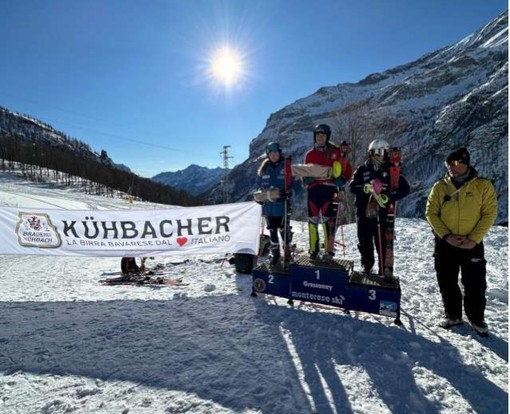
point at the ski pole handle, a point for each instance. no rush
(381, 199)
(368, 188)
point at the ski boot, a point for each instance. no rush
(274, 256)
(327, 257)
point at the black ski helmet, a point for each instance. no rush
(322, 128)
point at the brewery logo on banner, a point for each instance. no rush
(37, 230)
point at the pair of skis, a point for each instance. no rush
(394, 171)
(141, 281)
(287, 228)
(154, 276)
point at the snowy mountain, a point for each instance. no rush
(194, 179)
(455, 96)
(71, 345)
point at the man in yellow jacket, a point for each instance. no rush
(461, 208)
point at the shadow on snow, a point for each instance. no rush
(231, 350)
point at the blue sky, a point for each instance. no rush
(133, 77)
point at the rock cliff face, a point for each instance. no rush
(456, 96)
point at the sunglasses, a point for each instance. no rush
(453, 163)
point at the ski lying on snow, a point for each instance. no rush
(140, 282)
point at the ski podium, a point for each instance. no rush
(333, 282)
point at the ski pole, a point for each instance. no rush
(342, 228)
(288, 210)
(223, 261)
(379, 236)
(339, 219)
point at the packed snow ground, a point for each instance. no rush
(69, 344)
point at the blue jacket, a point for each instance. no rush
(269, 176)
(364, 174)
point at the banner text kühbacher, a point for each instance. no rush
(224, 228)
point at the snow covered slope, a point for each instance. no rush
(69, 344)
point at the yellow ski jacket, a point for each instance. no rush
(468, 211)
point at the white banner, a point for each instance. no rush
(224, 228)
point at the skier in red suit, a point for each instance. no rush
(323, 192)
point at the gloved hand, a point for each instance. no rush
(274, 194)
(308, 180)
(377, 185)
(259, 196)
(336, 169)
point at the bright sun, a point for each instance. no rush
(226, 66)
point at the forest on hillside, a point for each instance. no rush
(40, 160)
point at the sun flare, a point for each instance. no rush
(226, 66)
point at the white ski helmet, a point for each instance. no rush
(379, 146)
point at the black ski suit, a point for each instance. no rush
(370, 217)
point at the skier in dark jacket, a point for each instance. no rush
(371, 186)
(270, 192)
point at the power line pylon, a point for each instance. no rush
(224, 182)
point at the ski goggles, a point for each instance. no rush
(320, 131)
(273, 148)
(379, 151)
(453, 163)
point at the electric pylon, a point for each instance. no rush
(224, 182)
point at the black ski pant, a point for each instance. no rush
(371, 233)
(275, 224)
(448, 260)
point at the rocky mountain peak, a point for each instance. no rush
(452, 97)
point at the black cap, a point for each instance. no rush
(461, 155)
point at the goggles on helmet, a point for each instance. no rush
(274, 147)
(378, 151)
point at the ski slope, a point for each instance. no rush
(69, 344)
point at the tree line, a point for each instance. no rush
(42, 161)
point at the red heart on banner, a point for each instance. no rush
(181, 241)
